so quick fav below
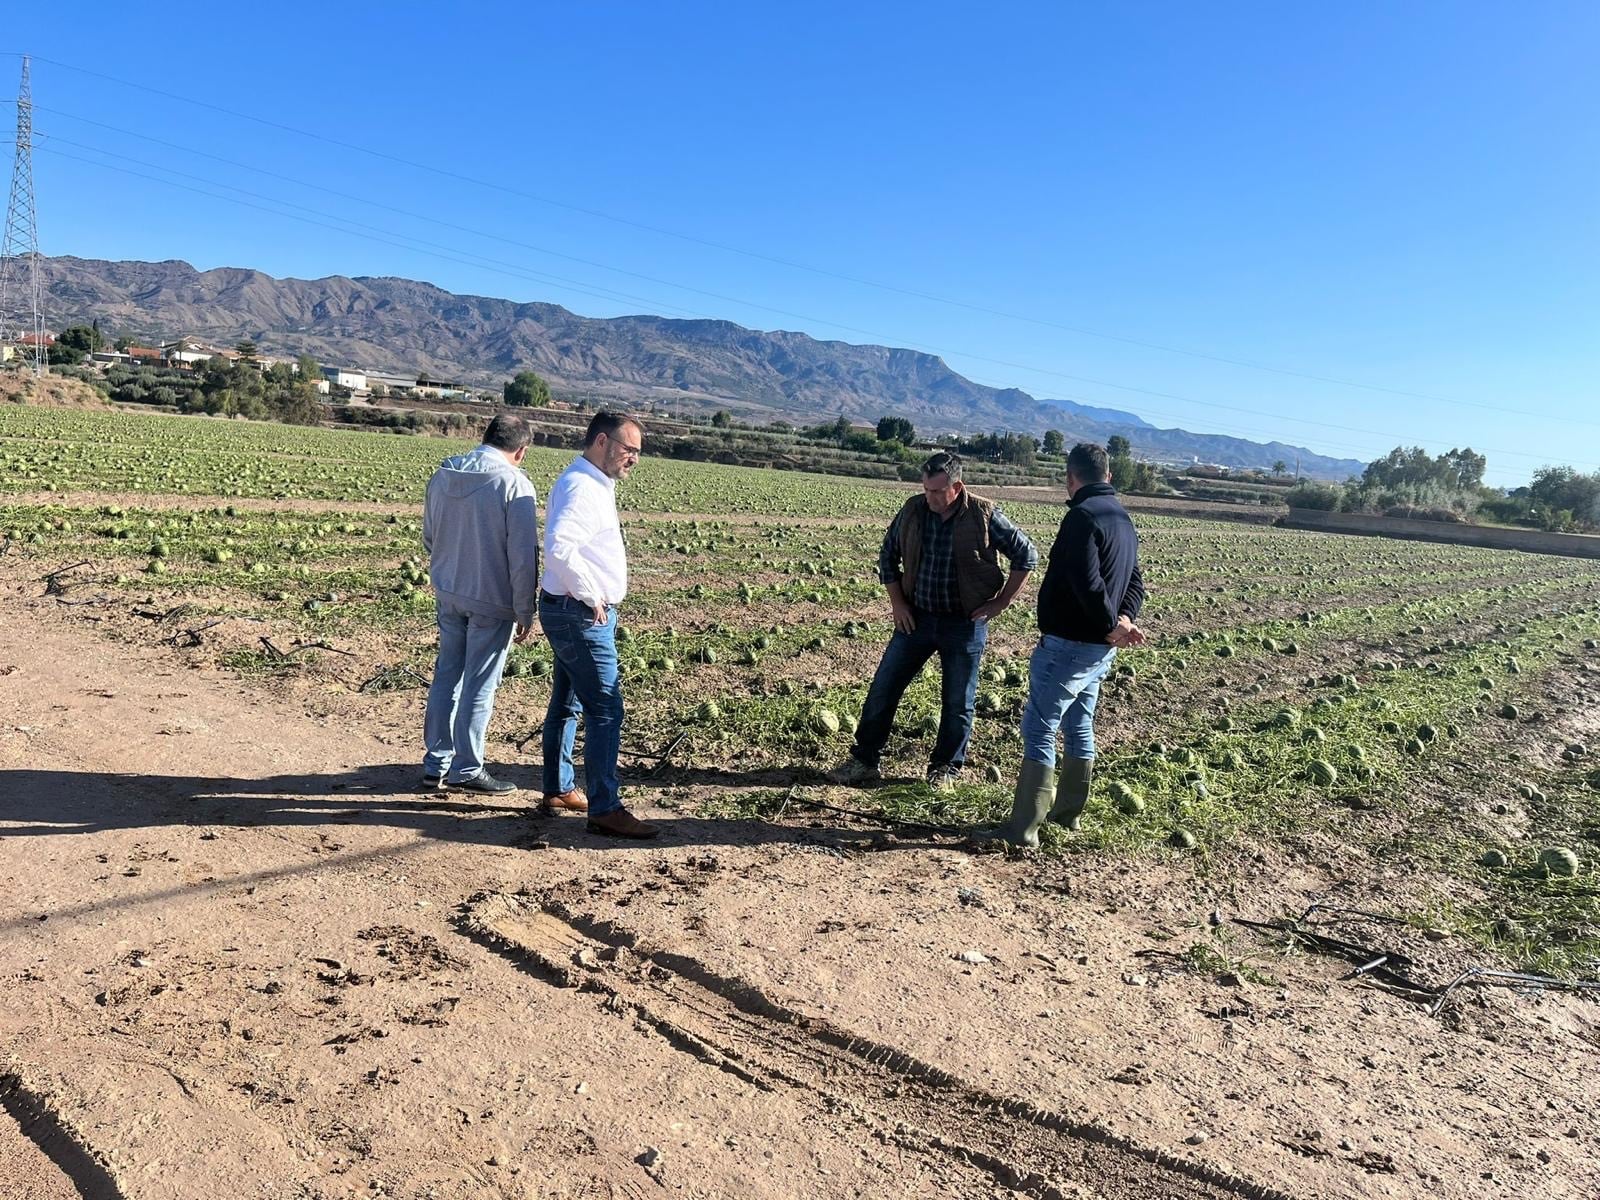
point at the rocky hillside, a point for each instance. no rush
(386, 324)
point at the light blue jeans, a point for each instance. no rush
(585, 679)
(472, 653)
(1063, 688)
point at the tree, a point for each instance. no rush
(896, 429)
(1414, 477)
(722, 419)
(1018, 449)
(123, 342)
(1562, 496)
(308, 368)
(82, 338)
(1119, 453)
(246, 350)
(1280, 467)
(1462, 469)
(526, 390)
(216, 372)
(1054, 442)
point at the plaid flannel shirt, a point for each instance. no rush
(934, 589)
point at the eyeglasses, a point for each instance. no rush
(629, 451)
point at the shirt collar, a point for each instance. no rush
(583, 464)
(1092, 489)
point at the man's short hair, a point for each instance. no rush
(508, 432)
(1089, 463)
(607, 422)
(942, 463)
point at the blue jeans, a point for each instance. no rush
(959, 643)
(585, 679)
(1063, 688)
(472, 653)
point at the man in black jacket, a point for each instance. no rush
(1091, 596)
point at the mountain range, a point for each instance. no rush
(386, 324)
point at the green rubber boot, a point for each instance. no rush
(1035, 785)
(1072, 791)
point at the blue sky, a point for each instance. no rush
(1396, 196)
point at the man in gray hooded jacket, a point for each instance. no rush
(480, 524)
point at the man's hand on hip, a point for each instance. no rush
(904, 619)
(599, 611)
(989, 611)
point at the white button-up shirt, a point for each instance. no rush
(583, 552)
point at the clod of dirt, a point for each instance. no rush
(1135, 1074)
(974, 958)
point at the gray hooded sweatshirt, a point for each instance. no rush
(480, 524)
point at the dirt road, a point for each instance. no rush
(241, 957)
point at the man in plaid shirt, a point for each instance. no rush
(939, 565)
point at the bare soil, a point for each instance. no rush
(240, 956)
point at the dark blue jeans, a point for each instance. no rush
(584, 680)
(959, 643)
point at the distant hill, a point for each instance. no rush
(393, 325)
(1107, 416)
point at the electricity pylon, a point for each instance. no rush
(21, 282)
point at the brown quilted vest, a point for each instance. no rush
(978, 574)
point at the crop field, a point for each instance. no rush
(1383, 706)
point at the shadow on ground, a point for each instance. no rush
(41, 803)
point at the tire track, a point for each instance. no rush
(56, 1140)
(732, 1025)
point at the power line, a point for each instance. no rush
(467, 258)
(932, 297)
(399, 241)
(490, 235)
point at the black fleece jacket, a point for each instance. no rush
(1093, 576)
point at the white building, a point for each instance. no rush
(346, 377)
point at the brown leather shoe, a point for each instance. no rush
(571, 800)
(622, 824)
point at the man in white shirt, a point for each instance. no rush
(585, 578)
(480, 525)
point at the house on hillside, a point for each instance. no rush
(186, 352)
(104, 360)
(145, 356)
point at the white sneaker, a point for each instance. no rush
(943, 778)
